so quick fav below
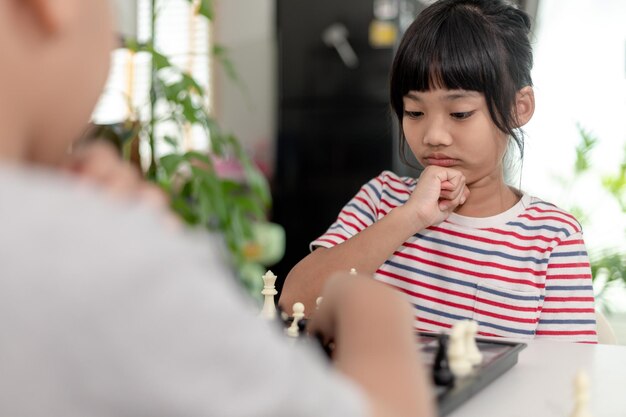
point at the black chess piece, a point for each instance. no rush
(442, 375)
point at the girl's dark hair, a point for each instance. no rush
(476, 45)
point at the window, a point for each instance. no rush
(184, 38)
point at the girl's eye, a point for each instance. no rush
(413, 114)
(461, 115)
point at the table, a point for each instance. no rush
(541, 384)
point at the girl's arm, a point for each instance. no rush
(438, 192)
(568, 308)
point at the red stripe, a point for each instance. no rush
(489, 334)
(571, 265)
(436, 323)
(485, 240)
(336, 235)
(388, 204)
(561, 212)
(398, 190)
(522, 237)
(573, 242)
(557, 219)
(327, 241)
(395, 179)
(347, 213)
(367, 192)
(470, 261)
(473, 273)
(565, 332)
(352, 225)
(367, 203)
(574, 276)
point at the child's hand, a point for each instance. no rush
(100, 165)
(438, 192)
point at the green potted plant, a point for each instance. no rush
(235, 206)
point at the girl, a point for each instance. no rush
(460, 242)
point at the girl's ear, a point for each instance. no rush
(52, 15)
(524, 105)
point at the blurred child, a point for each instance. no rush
(460, 242)
(104, 312)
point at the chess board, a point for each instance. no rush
(498, 357)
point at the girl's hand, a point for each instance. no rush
(99, 165)
(438, 192)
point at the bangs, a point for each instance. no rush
(456, 54)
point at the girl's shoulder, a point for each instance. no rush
(389, 178)
(539, 210)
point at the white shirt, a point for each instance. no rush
(104, 312)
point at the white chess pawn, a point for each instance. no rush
(472, 352)
(353, 271)
(457, 353)
(298, 314)
(269, 291)
(581, 395)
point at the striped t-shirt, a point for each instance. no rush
(523, 273)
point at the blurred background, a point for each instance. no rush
(309, 104)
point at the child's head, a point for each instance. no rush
(473, 45)
(54, 63)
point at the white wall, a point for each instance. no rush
(247, 29)
(580, 77)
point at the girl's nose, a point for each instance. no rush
(436, 133)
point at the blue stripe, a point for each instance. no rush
(482, 323)
(363, 212)
(481, 251)
(440, 313)
(569, 287)
(567, 321)
(393, 197)
(339, 226)
(543, 227)
(506, 295)
(507, 329)
(430, 274)
(543, 202)
(371, 187)
(577, 253)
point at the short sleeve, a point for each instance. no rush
(568, 307)
(362, 211)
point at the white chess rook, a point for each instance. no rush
(269, 291)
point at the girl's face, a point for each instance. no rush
(453, 128)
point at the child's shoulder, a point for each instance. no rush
(542, 212)
(389, 178)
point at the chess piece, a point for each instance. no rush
(457, 353)
(269, 291)
(298, 314)
(471, 349)
(353, 271)
(442, 375)
(318, 301)
(581, 395)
